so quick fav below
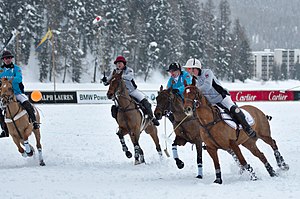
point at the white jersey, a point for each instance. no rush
(212, 89)
(128, 77)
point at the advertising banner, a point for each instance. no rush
(50, 97)
(272, 95)
(93, 97)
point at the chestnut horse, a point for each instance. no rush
(130, 118)
(17, 121)
(187, 129)
(219, 135)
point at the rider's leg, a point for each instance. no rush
(144, 102)
(4, 132)
(238, 115)
(29, 108)
(114, 111)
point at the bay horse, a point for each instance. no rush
(187, 129)
(17, 121)
(130, 118)
(219, 135)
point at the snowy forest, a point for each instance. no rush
(151, 34)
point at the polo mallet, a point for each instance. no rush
(166, 149)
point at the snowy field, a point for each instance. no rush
(84, 159)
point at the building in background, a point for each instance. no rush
(277, 64)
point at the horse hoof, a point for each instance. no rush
(285, 167)
(199, 176)
(128, 154)
(42, 163)
(179, 163)
(218, 181)
(30, 153)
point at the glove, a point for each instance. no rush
(104, 79)
(106, 83)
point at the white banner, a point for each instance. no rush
(99, 97)
(92, 97)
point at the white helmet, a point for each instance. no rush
(193, 63)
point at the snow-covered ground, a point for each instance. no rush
(84, 158)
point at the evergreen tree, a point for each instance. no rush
(240, 53)
(208, 26)
(223, 56)
(192, 33)
(297, 69)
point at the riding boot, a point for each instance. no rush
(29, 108)
(240, 117)
(114, 112)
(149, 112)
(4, 132)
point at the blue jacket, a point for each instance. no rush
(180, 83)
(15, 72)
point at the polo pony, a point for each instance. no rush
(17, 121)
(130, 118)
(218, 135)
(187, 129)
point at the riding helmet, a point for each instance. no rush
(6, 53)
(174, 67)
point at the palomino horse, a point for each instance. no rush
(130, 119)
(218, 135)
(17, 121)
(187, 129)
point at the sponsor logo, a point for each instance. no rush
(242, 98)
(275, 96)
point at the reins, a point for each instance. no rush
(10, 99)
(210, 124)
(12, 118)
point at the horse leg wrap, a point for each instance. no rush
(174, 150)
(200, 170)
(27, 147)
(270, 169)
(136, 151)
(218, 177)
(252, 174)
(279, 158)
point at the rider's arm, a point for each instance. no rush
(207, 85)
(17, 78)
(128, 75)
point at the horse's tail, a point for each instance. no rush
(269, 117)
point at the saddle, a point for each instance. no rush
(225, 115)
(115, 109)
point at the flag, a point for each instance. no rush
(12, 36)
(45, 38)
(97, 19)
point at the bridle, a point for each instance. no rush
(166, 108)
(120, 93)
(7, 98)
(196, 100)
(196, 103)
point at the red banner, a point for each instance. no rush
(247, 96)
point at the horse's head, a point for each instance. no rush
(165, 99)
(114, 84)
(6, 91)
(192, 97)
